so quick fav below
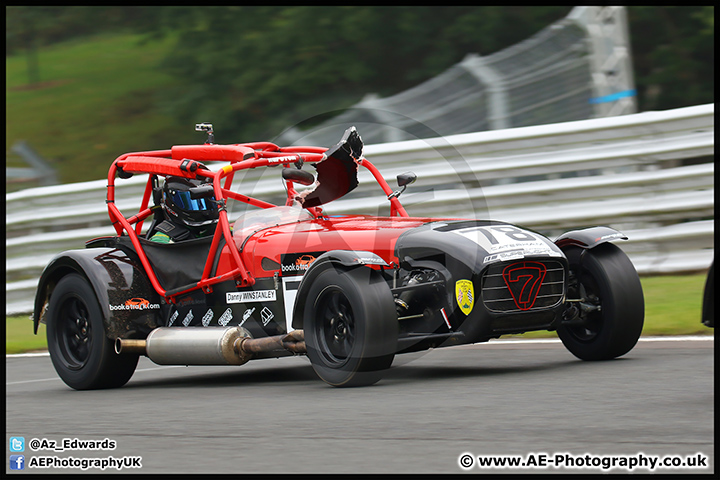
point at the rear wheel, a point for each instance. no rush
(611, 307)
(350, 326)
(81, 353)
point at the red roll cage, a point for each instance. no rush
(186, 161)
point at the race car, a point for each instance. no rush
(348, 291)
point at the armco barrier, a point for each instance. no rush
(650, 175)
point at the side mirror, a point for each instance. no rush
(405, 179)
(299, 176)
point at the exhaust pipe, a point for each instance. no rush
(209, 345)
(261, 347)
(188, 346)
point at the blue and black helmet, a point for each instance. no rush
(179, 205)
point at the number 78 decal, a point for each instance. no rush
(524, 280)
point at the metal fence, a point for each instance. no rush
(574, 69)
(650, 175)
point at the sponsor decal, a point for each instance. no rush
(266, 315)
(373, 260)
(285, 159)
(505, 256)
(246, 315)
(518, 254)
(524, 280)
(251, 296)
(297, 263)
(188, 318)
(189, 300)
(225, 317)
(136, 304)
(465, 295)
(610, 236)
(173, 317)
(207, 318)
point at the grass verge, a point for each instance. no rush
(95, 100)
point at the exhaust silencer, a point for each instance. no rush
(189, 346)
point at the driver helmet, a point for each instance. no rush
(194, 213)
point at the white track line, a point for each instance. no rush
(693, 338)
(58, 378)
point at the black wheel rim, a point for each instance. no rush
(74, 335)
(335, 327)
(586, 289)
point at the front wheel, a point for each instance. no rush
(611, 304)
(350, 326)
(81, 353)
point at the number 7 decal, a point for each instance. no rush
(524, 280)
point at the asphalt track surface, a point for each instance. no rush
(528, 399)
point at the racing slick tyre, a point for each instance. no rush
(80, 351)
(612, 309)
(350, 326)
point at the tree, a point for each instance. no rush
(673, 55)
(255, 70)
(23, 32)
